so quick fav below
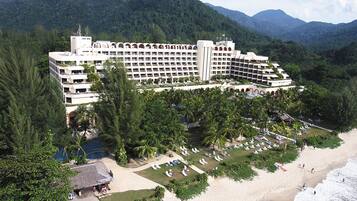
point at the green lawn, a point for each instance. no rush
(320, 138)
(316, 132)
(130, 195)
(160, 177)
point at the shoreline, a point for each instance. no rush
(284, 186)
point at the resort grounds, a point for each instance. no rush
(281, 185)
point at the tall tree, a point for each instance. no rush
(118, 110)
(34, 175)
(28, 105)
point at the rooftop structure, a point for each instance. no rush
(90, 175)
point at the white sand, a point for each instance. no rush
(283, 186)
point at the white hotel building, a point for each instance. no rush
(158, 63)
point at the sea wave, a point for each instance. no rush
(339, 185)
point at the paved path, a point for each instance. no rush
(313, 125)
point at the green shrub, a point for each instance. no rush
(188, 188)
(159, 192)
(324, 141)
(238, 171)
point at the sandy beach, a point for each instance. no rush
(283, 186)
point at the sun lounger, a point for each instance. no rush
(252, 147)
(185, 167)
(255, 152)
(247, 148)
(183, 153)
(219, 158)
(262, 143)
(168, 174)
(269, 147)
(197, 150)
(264, 148)
(201, 162)
(260, 150)
(184, 173)
(246, 144)
(258, 145)
(154, 167)
(204, 161)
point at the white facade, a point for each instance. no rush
(158, 63)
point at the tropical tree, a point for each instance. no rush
(83, 119)
(145, 150)
(29, 105)
(118, 111)
(34, 174)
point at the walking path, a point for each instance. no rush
(313, 125)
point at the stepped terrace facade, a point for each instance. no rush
(158, 63)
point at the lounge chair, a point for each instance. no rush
(258, 145)
(264, 148)
(255, 152)
(204, 161)
(201, 162)
(154, 167)
(260, 150)
(219, 158)
(247, 148)
(252, 147)
(184, 173)
(168, 174)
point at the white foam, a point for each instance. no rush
(339, 185)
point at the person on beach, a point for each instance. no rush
(312, 170)
(314, 192)
(343, 180)
(304, 187)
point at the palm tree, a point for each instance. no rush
(215, 138)
(145, 150)
(84, 118)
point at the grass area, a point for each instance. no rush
(320, 139)
(160, 177)
(267, 160)
(194, 158)
(316, 132)
(130, 195)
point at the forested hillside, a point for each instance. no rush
(148, 20)
(322, 36)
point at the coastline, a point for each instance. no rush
(283, 186)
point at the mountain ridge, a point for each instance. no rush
(315, 35)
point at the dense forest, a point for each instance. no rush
(146, 20)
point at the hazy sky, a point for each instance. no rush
(334, 11)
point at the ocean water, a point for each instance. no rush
(339, 185)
